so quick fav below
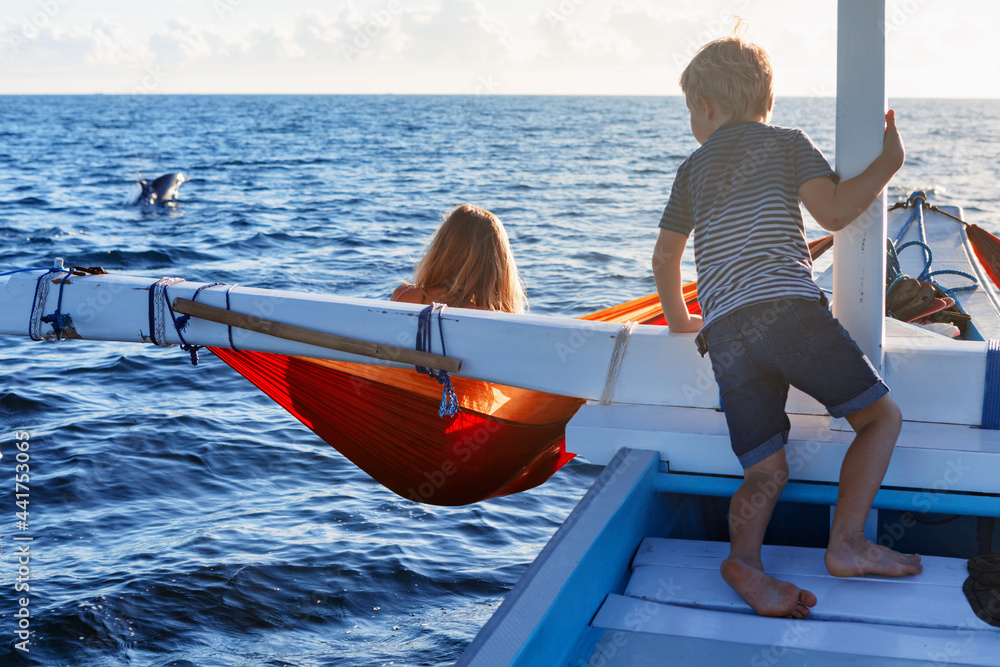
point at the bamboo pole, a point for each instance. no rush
(318, 338)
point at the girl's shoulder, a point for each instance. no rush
(408, 293)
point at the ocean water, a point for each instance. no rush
(180, 517)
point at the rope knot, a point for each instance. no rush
(157, 298)
(60, 321)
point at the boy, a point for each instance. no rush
(766, 324)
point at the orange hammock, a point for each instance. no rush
(385, 420)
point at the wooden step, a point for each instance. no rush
(634, 624)
(708, 555)
(686, 572)
(675, 589)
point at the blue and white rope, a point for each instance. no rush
(157, 310)
(449, 400)
(37, 316)
(180, 323)
(991, 395)
(919, 200)
(232, 345)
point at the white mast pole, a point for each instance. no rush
(859, 250)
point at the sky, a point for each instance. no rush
(935, 48)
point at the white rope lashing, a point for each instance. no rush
(158, 308)
(615, 364)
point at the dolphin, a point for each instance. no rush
(161, 191)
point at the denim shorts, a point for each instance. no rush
(759, 350)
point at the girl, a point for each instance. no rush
(469, 264)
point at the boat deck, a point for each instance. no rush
(952, 251)
(676, 603)
(631, 578)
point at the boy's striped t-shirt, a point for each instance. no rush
(739, 194)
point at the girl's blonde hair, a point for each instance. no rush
(469, 261)
(733, 72)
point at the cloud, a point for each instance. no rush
(566, 46)
(560, 39)
(183, 43)
(450, 45)
(628, 33)
(457, 29)
(30, 47)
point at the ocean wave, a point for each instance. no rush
(141, 259)
(26, 202)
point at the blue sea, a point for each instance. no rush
(181, 518)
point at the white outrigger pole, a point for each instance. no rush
(859, 249)
(859, 262)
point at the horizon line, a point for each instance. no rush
(394, 94)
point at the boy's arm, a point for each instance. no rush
(667, 273)
(836, 205)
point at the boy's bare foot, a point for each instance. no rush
(768, 596)
(857, 556)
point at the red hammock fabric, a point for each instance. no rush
(987, 249)
(395, 434)
(385, 420)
